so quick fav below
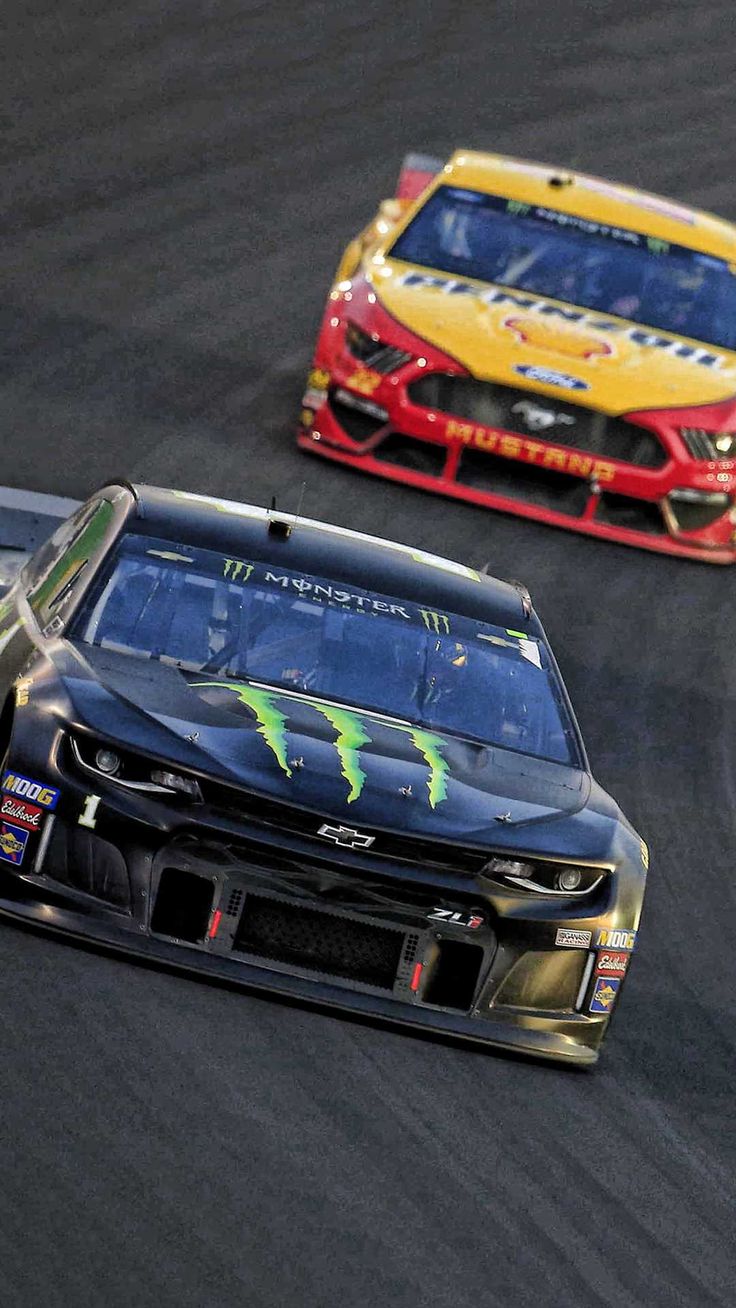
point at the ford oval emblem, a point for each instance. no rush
(548, 377)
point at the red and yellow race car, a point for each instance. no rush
(541, 342)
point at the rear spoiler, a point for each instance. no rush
(417, 171)
(27, 519)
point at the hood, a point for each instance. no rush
(521, 339)
(346, 763)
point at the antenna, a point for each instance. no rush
(301, 501)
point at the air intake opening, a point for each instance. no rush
(183, 905)
(414, 455)
(86, 862)
(634, 514)
(360, 419)
(524, 481)
(454, 975)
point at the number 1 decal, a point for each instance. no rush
(88, 816)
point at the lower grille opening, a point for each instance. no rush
(414, 455)
(183, 905)
(320, 942)
(454, 975)
(358, 425)
(509, 409)
(524, 481)
(624, 511)
(693, 516)
(86, 862)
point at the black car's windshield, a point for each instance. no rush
(608, 269)
(232, 618)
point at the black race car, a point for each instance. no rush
(292, 756)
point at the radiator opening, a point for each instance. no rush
(454, 975)
(183, 905)
(320, 942)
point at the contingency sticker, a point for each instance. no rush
(35, 791)
(607, 939)
(573, 938)
(604, 994)
(17, 810)
(612, 962)
(13, 841)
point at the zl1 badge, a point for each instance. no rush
(13, 841)
(470, 920)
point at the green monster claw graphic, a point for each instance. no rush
(429, 745)
(271, 721)
(351, 734)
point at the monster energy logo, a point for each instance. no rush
(438, 622)
(350, 736)
(236, 570)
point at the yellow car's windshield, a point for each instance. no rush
(547, 252)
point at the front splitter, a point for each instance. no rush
(480, 1031)
(723, 554)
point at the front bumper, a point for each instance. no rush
(268, 919)
(510, 471)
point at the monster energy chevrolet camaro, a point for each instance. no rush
(292, 756)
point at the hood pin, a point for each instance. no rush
(193, 737)
(296, 762)
(503, 817)
(405, 791)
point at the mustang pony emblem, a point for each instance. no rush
(538, 419)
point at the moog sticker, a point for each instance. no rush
(35, 791)
(607, 939)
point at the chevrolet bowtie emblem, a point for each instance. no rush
(346, 836)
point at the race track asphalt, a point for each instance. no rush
(177, 181)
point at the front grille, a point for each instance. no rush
(540, 418)
(524, 481)
(243, 805)
(319, 942)
(699, 443)
(416, 456)
(375, 354)
(632, 514)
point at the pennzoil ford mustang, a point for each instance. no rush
(540, 342)
(311, 761)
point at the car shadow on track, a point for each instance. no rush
(184, 973)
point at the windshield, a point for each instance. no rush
(609, 269)
(233, 618)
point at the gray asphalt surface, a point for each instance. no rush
(177, 183)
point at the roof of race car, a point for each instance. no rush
(322, 549)
(592, 197)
